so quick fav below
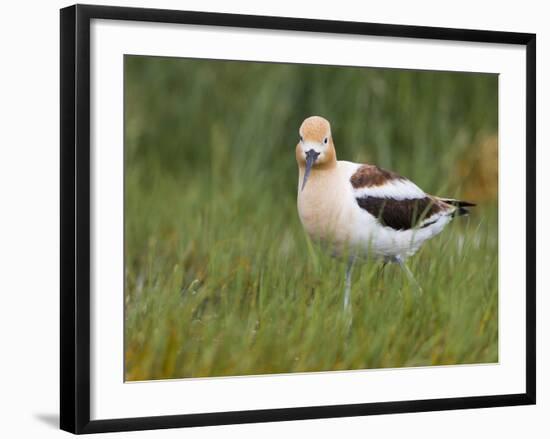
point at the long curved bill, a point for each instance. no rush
(311, 156)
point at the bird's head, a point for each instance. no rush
(315, 150)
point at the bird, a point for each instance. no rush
(363, 211)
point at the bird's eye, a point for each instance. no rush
(325, 141)
(301, 139)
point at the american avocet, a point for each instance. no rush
(360, 209)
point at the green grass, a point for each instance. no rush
(220, 278)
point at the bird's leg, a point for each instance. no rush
(409, 274)
(381, 267)
(347, 289)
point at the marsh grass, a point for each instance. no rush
(220, 278)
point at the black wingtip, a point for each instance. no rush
(462, 206)
(458, 203)
(466, 204)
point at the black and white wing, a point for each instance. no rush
(397, 202)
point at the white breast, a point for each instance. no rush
(326, 204)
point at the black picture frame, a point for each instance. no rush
(75, 217)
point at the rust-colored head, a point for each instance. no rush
(315, 151)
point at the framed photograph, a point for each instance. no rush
(268, 218)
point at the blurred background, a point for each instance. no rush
(220, 278)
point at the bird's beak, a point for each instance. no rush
(311, 156)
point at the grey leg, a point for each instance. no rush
(409, 274)
(381, 268)
(347, 290)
